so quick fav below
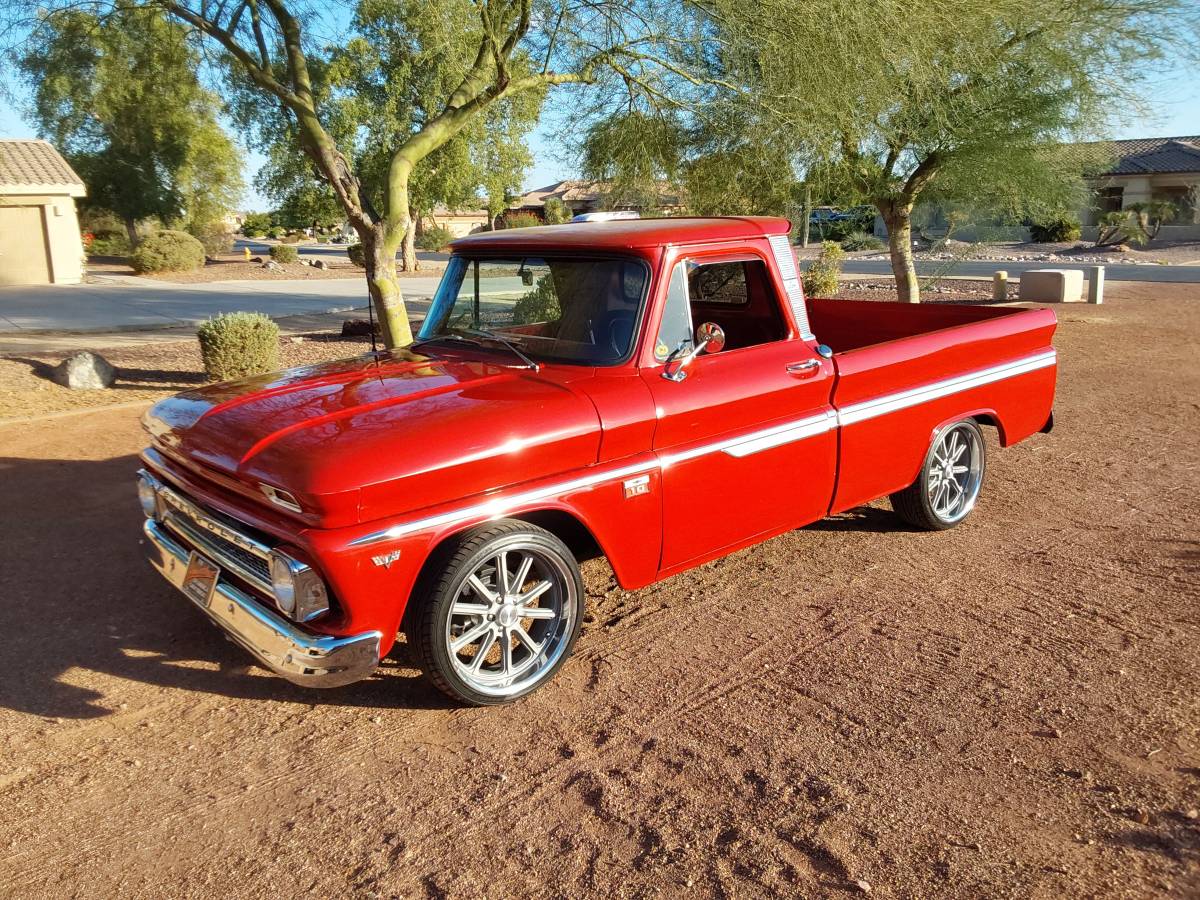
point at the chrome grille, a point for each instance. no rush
(219, 539)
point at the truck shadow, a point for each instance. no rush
(864, 519)
(77, 598)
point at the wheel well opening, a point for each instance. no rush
(990, 420)
(567, 529)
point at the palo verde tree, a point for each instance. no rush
(889, 101)
(514, 47)
(120, 95)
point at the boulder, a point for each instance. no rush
(320, 264)
(84, 371)
(358, 328)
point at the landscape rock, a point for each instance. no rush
(84, 371)
(320, 264)
(358, 328)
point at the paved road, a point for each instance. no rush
(135, 303)
(338, 250)
(985, 268)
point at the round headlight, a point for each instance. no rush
(148, 497)
(283, 583)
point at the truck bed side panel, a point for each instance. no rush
(893, 396)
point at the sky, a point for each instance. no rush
(1173, 98)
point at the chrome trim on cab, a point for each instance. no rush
(312, 660)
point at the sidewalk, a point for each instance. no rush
(128, 303)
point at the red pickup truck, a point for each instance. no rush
(658, 392)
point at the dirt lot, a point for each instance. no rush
(1009, 709)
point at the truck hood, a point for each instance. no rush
(382, 434)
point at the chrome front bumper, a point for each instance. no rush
(303, 658)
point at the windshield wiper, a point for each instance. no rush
(446, 336)
(492, 336)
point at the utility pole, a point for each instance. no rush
(807, 215)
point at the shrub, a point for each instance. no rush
(109, 244)
(1054, 231)
(860, 240)
(821, 277)
(355, 252)
(434, 238)
(538, 305)
(276, 232)
(237, 344)
(556, 212)
(521, 220)
(256, 224)
(284, 254)
(214, 236)
(292, 238)
(167, 251)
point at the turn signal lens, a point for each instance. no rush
(147, 497)
(299, 591)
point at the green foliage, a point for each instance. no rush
(216, 238)
(113, 244)
(1150, 217)
(434, 237)
(284, 253)
(1120, 227)
(276, 232)
(555, 212)
(119, 94)
(520, 220)
(637, 155)
(1054, 231)
(821, 277)
(861, 240)
(540, 304)
(167, 251)
(256, 224)
(234, 345)
(357, 255)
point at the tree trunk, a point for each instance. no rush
(379, 254)
(807, 214)
(131, 232)
(898, 217)
(409, 254)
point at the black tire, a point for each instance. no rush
(918, 504)
(432, 623)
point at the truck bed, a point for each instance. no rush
(903, 371)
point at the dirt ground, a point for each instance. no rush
(235, 267)
(1007, 709)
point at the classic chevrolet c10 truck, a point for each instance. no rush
(658, 392)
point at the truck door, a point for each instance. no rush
(747, 439)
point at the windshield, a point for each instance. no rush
(569, 310)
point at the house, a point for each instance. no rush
(459, 222)
(1145, 170)
(588, 196)
(39, 231)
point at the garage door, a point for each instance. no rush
(23, 246)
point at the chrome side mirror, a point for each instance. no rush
(709, 337)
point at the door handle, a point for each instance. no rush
(805, 369)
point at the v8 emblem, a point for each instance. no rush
(386, 559)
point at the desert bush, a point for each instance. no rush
(1054, 231)
(434, 237)
(284, 254)
(538, 305)
(276, 232)
(860, 240)
(521, 220)
(167, 251)
(355, 252)
(821, 277)
(556, 212)
(109, 244)
(292, 237)
(1119, 228)
(256, 224)
(214, 236)
(237, 344)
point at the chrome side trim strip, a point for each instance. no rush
(869, 409)
(739, 447)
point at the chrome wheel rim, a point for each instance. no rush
(510, 620)
(955, 473)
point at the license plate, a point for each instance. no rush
(200, 580)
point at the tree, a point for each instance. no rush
(890, 102)
(121, 98)
(489, 52)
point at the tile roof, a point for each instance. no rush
(30, 166)
(579, 191)
(1155, 156)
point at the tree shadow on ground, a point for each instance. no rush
(76, 593)
(127, 379)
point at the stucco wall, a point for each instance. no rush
(61, 236)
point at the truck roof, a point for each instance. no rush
(626, 234)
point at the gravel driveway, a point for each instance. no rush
(1007, 709)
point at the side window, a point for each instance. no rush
(740, 296)
(676, 327)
